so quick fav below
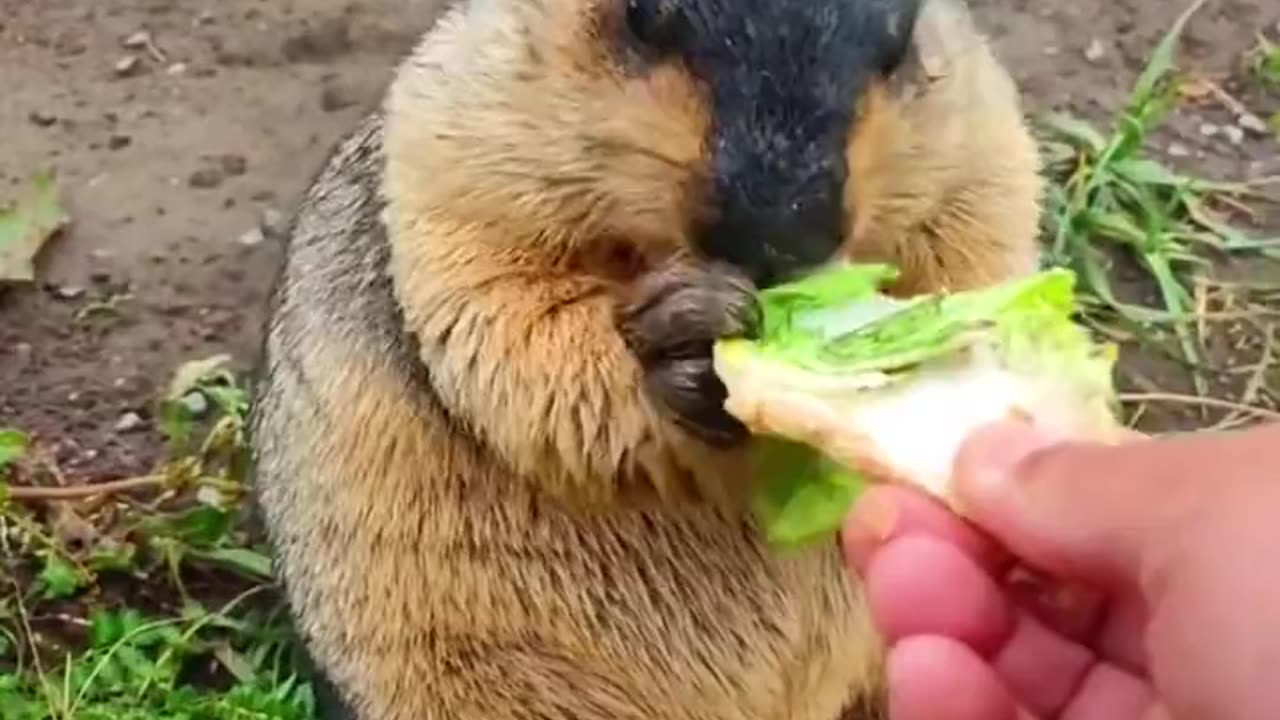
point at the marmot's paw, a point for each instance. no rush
(671, 320)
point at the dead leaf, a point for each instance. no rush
(189, 374)
(26, 226)
(76, 534)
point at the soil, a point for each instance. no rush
(175, 167)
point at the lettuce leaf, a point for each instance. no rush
(836, 344)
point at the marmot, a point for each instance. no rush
(489, 448)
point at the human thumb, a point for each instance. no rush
(1087, 512)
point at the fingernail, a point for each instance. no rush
(880, 516)
(870, 524)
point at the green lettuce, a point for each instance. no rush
(836, 341)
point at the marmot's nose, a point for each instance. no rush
(773, 229)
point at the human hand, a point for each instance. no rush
(1139, 581)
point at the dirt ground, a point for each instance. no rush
(177, 166)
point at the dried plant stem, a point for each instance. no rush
(80, 492)
(1203, 402)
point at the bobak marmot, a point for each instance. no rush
(489, 448)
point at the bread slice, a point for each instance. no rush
(853, 386)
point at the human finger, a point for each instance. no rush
(886, 512)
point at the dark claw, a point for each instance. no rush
(690, 388)
(675, 317)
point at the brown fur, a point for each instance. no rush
(478, 511)
(946, 174)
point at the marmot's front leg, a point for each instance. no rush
(534, 362)
(671, 321)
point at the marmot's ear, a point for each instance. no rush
(943, 31)
(900, 19)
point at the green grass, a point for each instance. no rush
(151, 602)
(1112, 202)
(1264, 62)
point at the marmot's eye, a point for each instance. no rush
(655, 24)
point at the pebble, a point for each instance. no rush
(127, 65)
(233, 165)
(334, 98)
(129, 422)
(1179, 150)
(1209, 129)
(41, 118)
(1254, 124)
(119, 142)
(1234, 133)
(274, 223)
(205, 178)
(253, 237)
(196, 404)
(177, 68)
(138, 41)
(210, 496)
(1095, 52)
(69, 292)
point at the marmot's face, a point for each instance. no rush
(724, 126)
(783, 82)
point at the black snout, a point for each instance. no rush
(773, 227)
(786, 79)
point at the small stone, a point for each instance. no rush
(334, 98)
(1051, 50)
(233, 165)
(138, 41)
(204, 18)
(274, 223)
(252, 238)
(1254, 124)
(1095, 52)
(196, 404)
(177, 68)
(41, 118)
(1209, 129)
(1179, 150)
(119, 142)
(129, 422)
(205, 178)
(128, 65)
(1233, 133)
(69, 292)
